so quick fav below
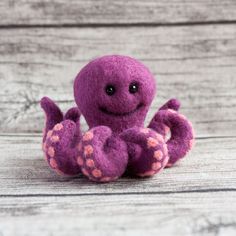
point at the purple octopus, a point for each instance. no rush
(114, 94)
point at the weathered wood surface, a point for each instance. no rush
(195, 64)
(153, 214)
(209, 167)
(190, 46)
(84, 12)
(195, 198)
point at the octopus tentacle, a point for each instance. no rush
(182, 135)
(61, 134)
(74, 115)
(53, 114)
(147, 150)
(60, 149)
(173, 104)
(102, 155)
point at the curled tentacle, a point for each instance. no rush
(173, 104)
(182, 135)
(147, 149)
(102, 155)
(60, 149)
(53, 114)
(61, 134)
(74, 114)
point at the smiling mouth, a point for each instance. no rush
(104, 110)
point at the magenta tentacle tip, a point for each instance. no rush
(114, 94)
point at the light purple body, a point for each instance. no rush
(114, 94)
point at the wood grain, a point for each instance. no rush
(86, 12)
(195, 198)
(190, 46)
(210, 167)
(152, 214)
(195, 64)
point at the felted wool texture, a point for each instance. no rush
(103, 155)
(60, 152)
(119, 71)
(116, 140)
(182, 135)
(151, 157)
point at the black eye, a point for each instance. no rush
(110, 90)
(133, 88)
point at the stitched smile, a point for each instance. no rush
(104, 110)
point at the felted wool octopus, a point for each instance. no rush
(114, 94)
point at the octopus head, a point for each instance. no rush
(114, 91)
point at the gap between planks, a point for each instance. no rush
(117, 25)
(119, 193)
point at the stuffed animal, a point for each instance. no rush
(114, 94)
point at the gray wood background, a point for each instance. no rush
(190, 46)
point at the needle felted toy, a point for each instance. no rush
(114, 94)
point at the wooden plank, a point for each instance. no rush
(209, 167)
(195, 64)
(80, 12)
(175, 214)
